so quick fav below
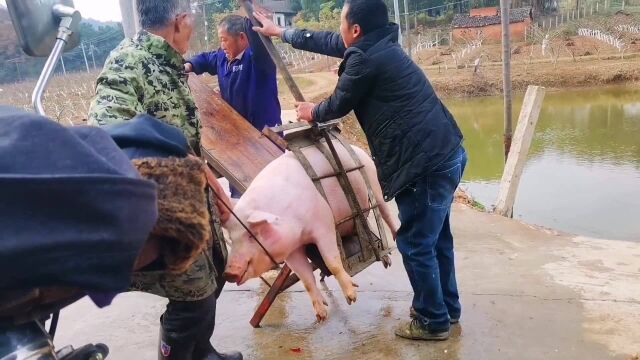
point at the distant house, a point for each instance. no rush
(281, 9)
(487, 21)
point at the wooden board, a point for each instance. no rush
(233, 147)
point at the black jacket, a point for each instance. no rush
(408, 128)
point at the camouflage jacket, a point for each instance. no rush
(146, 75)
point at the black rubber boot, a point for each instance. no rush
(174, 348)
(212, 354)
(203, 349)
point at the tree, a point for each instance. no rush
(311, 9)
(296, 6)
(328, 19)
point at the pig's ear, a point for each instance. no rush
(263, 224)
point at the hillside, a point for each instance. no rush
(8, 41)
(99, 39)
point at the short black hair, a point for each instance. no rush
(371, 15)
(233, 24)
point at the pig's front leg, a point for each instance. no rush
(328, 247)
(300, 265)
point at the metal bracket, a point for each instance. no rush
(69, 18)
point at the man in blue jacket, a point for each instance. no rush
(246, 74)
(415, 142)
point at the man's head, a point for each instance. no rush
(170, 19)
(360, 17)
(233, 36)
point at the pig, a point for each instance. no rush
(285, 211)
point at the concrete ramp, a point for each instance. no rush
(526, 293)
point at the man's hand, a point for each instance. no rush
(305, 111)
(268, 27)
(188, 68)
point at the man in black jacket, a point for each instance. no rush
(414, 140)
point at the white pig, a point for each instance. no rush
(284, 210)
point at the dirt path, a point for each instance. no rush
(313, 85)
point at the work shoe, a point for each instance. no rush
(412, 314)
(415, 330)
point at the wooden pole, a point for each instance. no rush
(129, 17)
(506, 74)
(529, 114)
(396, 10)
(275, 55)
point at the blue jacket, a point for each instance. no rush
(249, 85)
(73, 211)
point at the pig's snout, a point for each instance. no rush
(231, 277)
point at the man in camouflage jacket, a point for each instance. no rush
(145, 75)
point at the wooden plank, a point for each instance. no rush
(231, 145)
(274, 290)
(361, 224)
(275, 55)
(372, 199)
(519, 150)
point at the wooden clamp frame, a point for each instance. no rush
(357, 252)
(239, 155)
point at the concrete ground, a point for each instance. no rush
(526, 294)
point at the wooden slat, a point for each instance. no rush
(233, 147)
(268, 300)
(367, 181)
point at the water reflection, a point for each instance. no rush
(584, 164)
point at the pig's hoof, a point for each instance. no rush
(350, 294)
(321, 310)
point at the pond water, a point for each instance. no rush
(583, 171)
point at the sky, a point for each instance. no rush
(103, 10)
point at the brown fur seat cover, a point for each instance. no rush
(183, 229)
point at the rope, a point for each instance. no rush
(251, 234)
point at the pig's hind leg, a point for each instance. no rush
(328, 246)
(300, 265)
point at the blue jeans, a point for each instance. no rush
(235, 194)
(426, 243)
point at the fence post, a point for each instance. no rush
(64, 69)
(84, 53)
(93, 58)
(522, 139)
(556, 20)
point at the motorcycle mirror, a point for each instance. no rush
(37, 23)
